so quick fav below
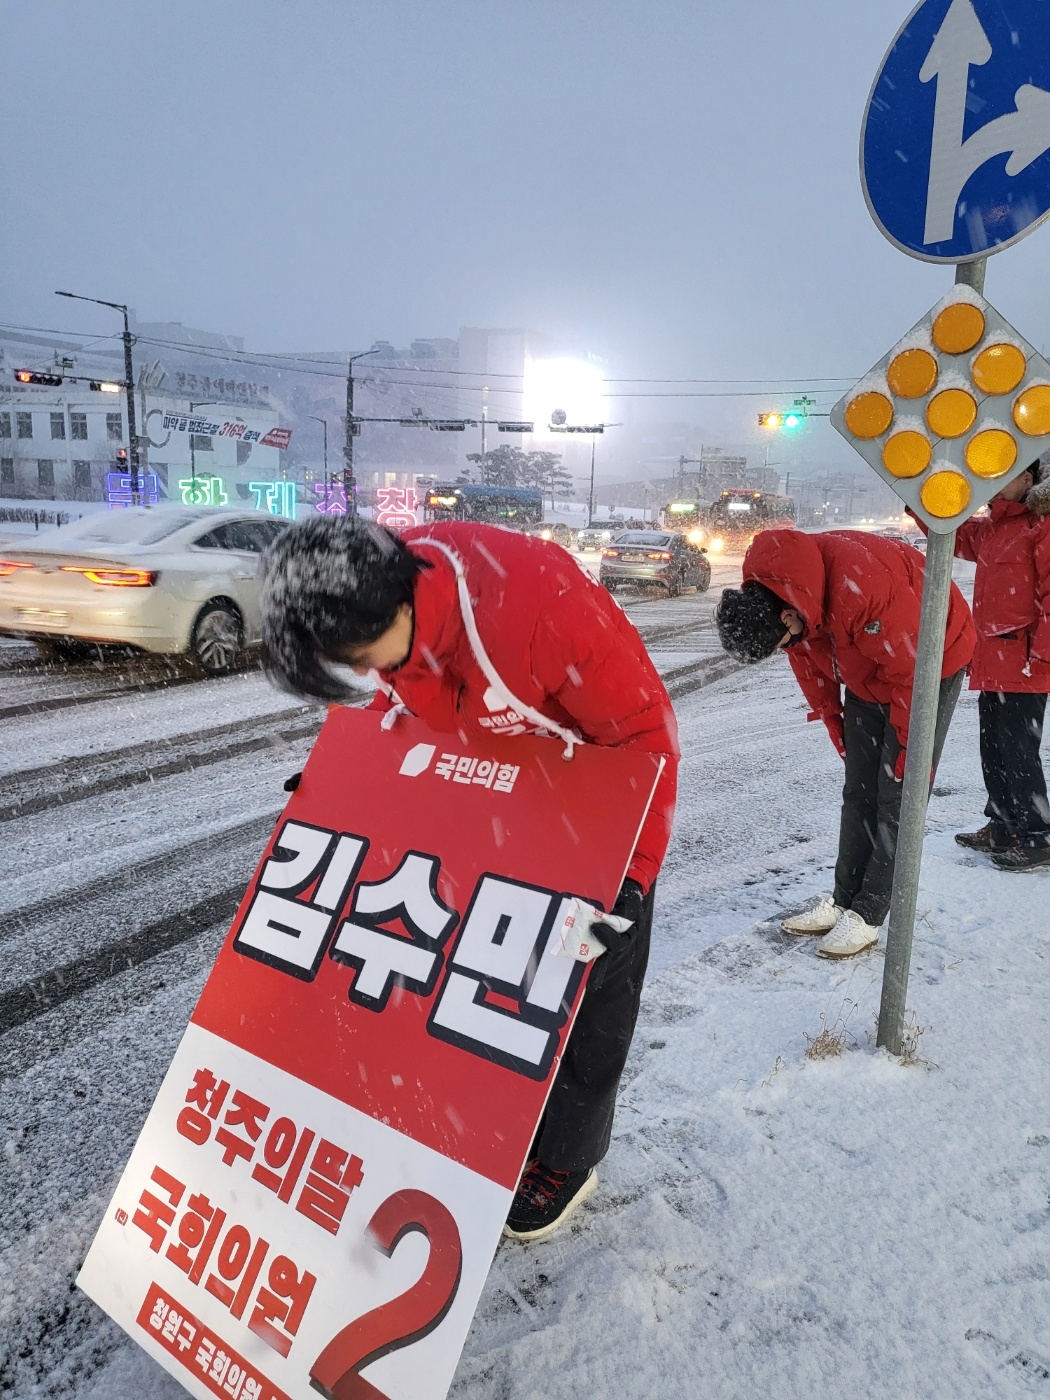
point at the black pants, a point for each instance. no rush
(1011, 732)
(871, 801)
(577, 1125)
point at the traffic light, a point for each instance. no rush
(30, 376)
(103, 386)
(790, 419)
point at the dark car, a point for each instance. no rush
(655, 556)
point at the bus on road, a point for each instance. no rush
(518, 507)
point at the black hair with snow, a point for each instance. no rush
(329, 583)
(748, 621)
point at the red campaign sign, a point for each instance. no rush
(368, 1061)
(206, 1356)
(277, 437)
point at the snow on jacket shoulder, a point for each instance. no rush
(560, 644)
(860, 596)
(1011, 594)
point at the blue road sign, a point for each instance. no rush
(955, 148)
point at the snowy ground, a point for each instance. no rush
(768, 1222)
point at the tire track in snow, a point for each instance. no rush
(30, 999)
(94, 775)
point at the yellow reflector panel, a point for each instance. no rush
(1032, 410)
(951, 413)
(912, 373)
(907, 454)
(869, 415)
(991, 453)
(958, 328)
(945, 494)
(999, 369)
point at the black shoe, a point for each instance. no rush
(1022, 857)
(983, 840)
(545, 1198)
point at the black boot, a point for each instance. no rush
(983, 840)
(1022, 857)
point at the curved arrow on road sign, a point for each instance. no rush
(1024, 134)
(963, 86)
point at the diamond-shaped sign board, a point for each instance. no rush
(956, 410)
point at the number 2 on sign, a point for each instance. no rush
(405, 1319)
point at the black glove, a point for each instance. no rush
(290, 784)
(629, 904)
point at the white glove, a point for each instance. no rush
(578, 936)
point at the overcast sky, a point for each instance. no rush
(672, 186)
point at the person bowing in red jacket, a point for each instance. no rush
(481, 631)
(845, 606)
(1011, 667)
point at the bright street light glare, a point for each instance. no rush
(573, 386)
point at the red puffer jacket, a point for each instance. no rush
(860, 596)
(560, 644)
(1011, 595)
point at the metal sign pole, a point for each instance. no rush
(921, 726)
(940, 552)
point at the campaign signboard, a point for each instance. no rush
(203, 425)
(318, 1191)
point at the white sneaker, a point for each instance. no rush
(819, 919)
(850, 936)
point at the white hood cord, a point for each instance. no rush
(570, 737)
(397, 705)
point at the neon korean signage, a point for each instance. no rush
(397, 507)
(276, 497)
(331, 498)
(119, 493)
(203, 491)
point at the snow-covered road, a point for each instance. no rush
(767, 1222)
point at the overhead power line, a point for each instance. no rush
(303, 365)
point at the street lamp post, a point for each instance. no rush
(324, 424)
(129, 387)
(348, 447)
(590, 495)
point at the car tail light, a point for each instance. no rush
(118, 578)
(10, 566)
(658, 554)
(610, 554)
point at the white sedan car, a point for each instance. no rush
(172, 579)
